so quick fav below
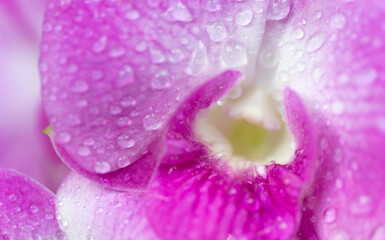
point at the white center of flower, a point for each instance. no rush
(246, 127)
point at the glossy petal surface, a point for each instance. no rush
(198, 196)
(332, 55)
(89, 211)
(115, 71)
(27, 209)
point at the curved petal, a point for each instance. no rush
(332, 55)
(27, 209)
(87, 210)
(115, 72)
(197, 196)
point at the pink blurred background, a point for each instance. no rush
(22, 145)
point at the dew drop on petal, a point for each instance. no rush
(217, 31)
(268, 59)
(213, 5)
(84, 151)
(330, 215)
(234, 54)
(161, 80)
(180, 12)
(278, 9)
(315, 41)
(132, 14)
(151, 122)
(339, 234)
(100, 45)
(126, 76)
(102, 167)
(80, 86)
(299, 33)
(33, 209)
(124, 141)
(338, 21)
(12, 197)
(64, 137)
(244, 17)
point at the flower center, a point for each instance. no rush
(246, 127)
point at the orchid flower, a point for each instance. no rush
(210, 119)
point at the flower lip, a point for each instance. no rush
(246, 128)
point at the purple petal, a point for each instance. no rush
(89, 211)
(27, 209)
(196, 196)
(115, 72)
(332, 55)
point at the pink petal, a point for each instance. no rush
(27, 209)
(115, 72)
(196, 196)
(89, 211)
(332, 55)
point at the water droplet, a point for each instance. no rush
(126, 76)
(330, 215)
(379, 233)
(179, 12)
(338, 21)
(84, 151)
(157, 56)
(80, 86)
(278, 9)
(338, 107)
(213, 5)
(366, 76)
(243, 17)
(268, 59)
(123, 161)
(234, 55)
(100, 210)
(217, 32)
(102, 167)
(64, 222)
(198, 59)
(123, 121)
(48, 216)
(132, 14)
(361, 205)
(124, 141)
(339, 234)
(64, 137)
(176, 55)
(153, 3)
(114, 110)
(117, 51)
(89, 141)
(33, 209)
(161, 80)
(100, 44)
(12, 197)
(315, 41)
(151, 122)
(299, 33)
(128, 102)
(73, 120)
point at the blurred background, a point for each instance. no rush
(23, 147)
